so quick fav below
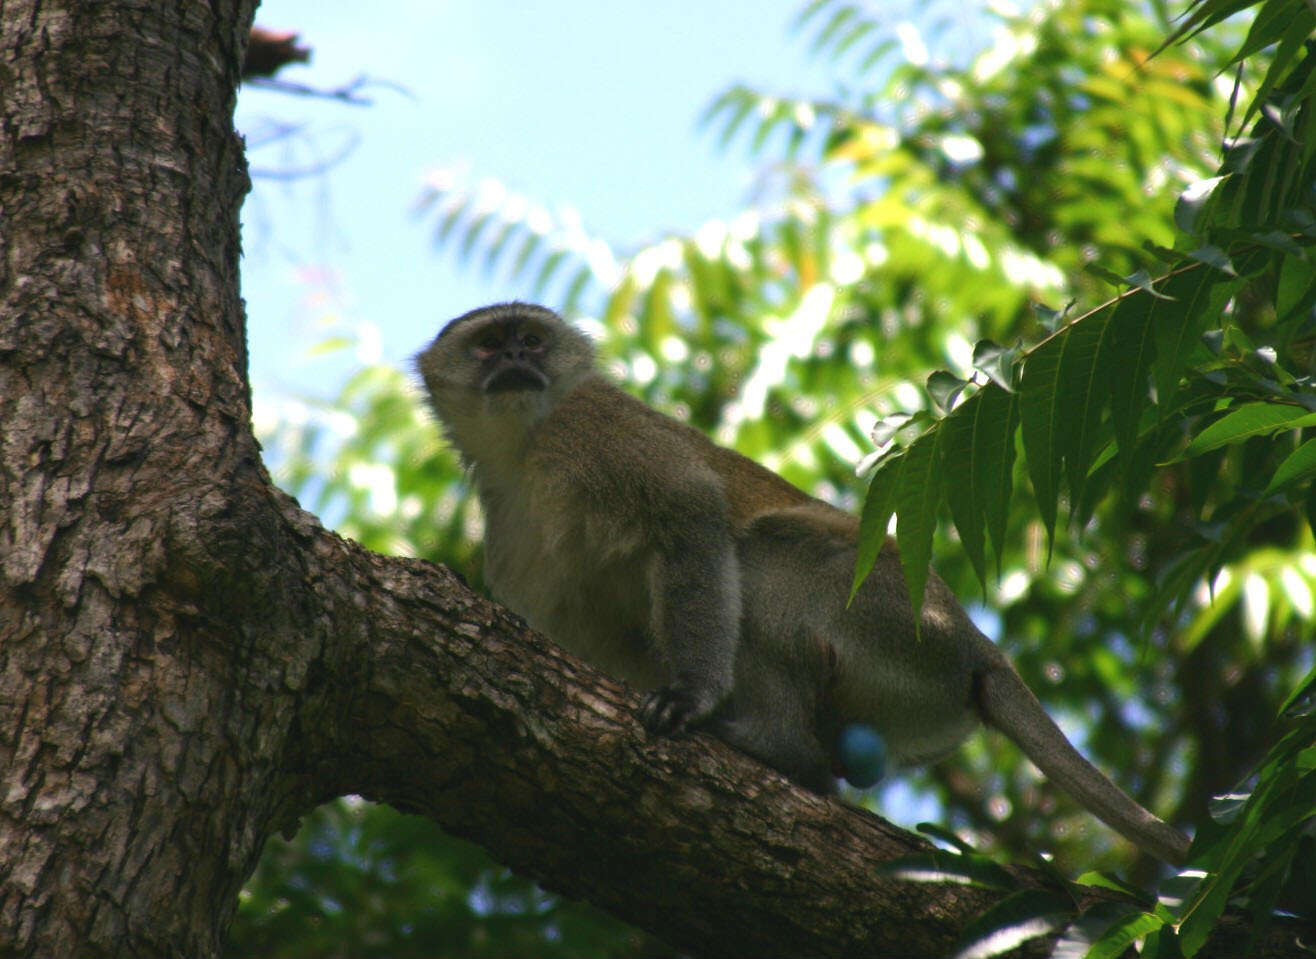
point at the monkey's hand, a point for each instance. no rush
(675, 708)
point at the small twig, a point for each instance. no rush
(347, 93)
(313, 169)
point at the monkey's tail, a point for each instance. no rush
(1008, 704)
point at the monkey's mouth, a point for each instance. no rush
(513, 378)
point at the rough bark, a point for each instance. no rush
(189, 662)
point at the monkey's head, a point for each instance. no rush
(500, 369)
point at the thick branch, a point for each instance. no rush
(456, 711)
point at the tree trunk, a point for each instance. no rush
(134, 736)
(188, 662)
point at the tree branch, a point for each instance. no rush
(452, 708)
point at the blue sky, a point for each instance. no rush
(593, 104)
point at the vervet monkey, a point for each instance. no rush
(694, 573)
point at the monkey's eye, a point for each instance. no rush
(532, 341)
(487, 345)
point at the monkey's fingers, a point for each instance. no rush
(673, 709)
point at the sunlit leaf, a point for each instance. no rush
(1014, 920)
(1194, 201)
(945, 388)
(1123, 933)
(998, 362)
(961, 869)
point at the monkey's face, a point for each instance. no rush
(502, 365)
(510, 354)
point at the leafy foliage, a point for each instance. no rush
(1148, 371)
(361, 880)
(1120, 212)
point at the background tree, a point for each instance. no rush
(926, 208)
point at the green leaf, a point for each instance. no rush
(959, 451)
(1298, 465)
(978, 449)
(1293, 705)
(1143, 281)
(961, 869)
(1296, 290)
(529, 247)
(471, 236)
(1111, 277)
(575, 289)
(1014, 920)
(331, 344)
(1133, 347)
(1246, 421)
(1201, 15)
(1084, 390)
(853, 36)
(494, 250)
(944, 388)
(1194, 202)
(948, 836)
(1199, 295)
(1123, 933)
(1265, 888)
(1282, 800)
(878, 507)
(739, 102)
(1298, 29)
(998, 362)
(993, 479)
(448, 222)
(876, 53)
(917, 499)
(1103, 880)
(1077, 941)
(1273, 21)
(809, 11)
(838, 20)
(1042, 420)
(1216, 257)
(547, 269)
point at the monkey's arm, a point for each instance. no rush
(695, 596)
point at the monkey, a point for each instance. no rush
(714, 585)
